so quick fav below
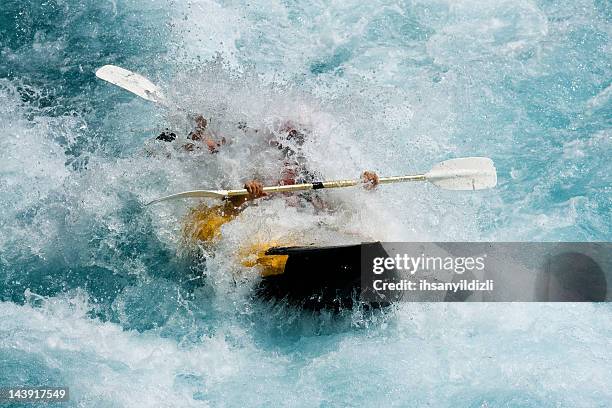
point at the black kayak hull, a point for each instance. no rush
(317, 278)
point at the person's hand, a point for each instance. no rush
(255, 189)
(370, 180)
(215, 145)
(212, 145)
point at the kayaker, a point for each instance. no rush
(204, 223)
(292, 138)
(294, 170)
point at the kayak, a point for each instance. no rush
(311, 277)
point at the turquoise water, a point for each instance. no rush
(99, 293)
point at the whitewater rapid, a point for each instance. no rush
(99, 293)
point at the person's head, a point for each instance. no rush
(289, 141)
(201, 122)
(213, 146)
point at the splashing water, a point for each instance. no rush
(99, 293)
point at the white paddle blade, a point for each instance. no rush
(192, 194)
(131, 81)
(468, 173)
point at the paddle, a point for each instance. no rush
(131, 81)
(468, 173)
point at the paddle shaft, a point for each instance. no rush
(317, 185)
